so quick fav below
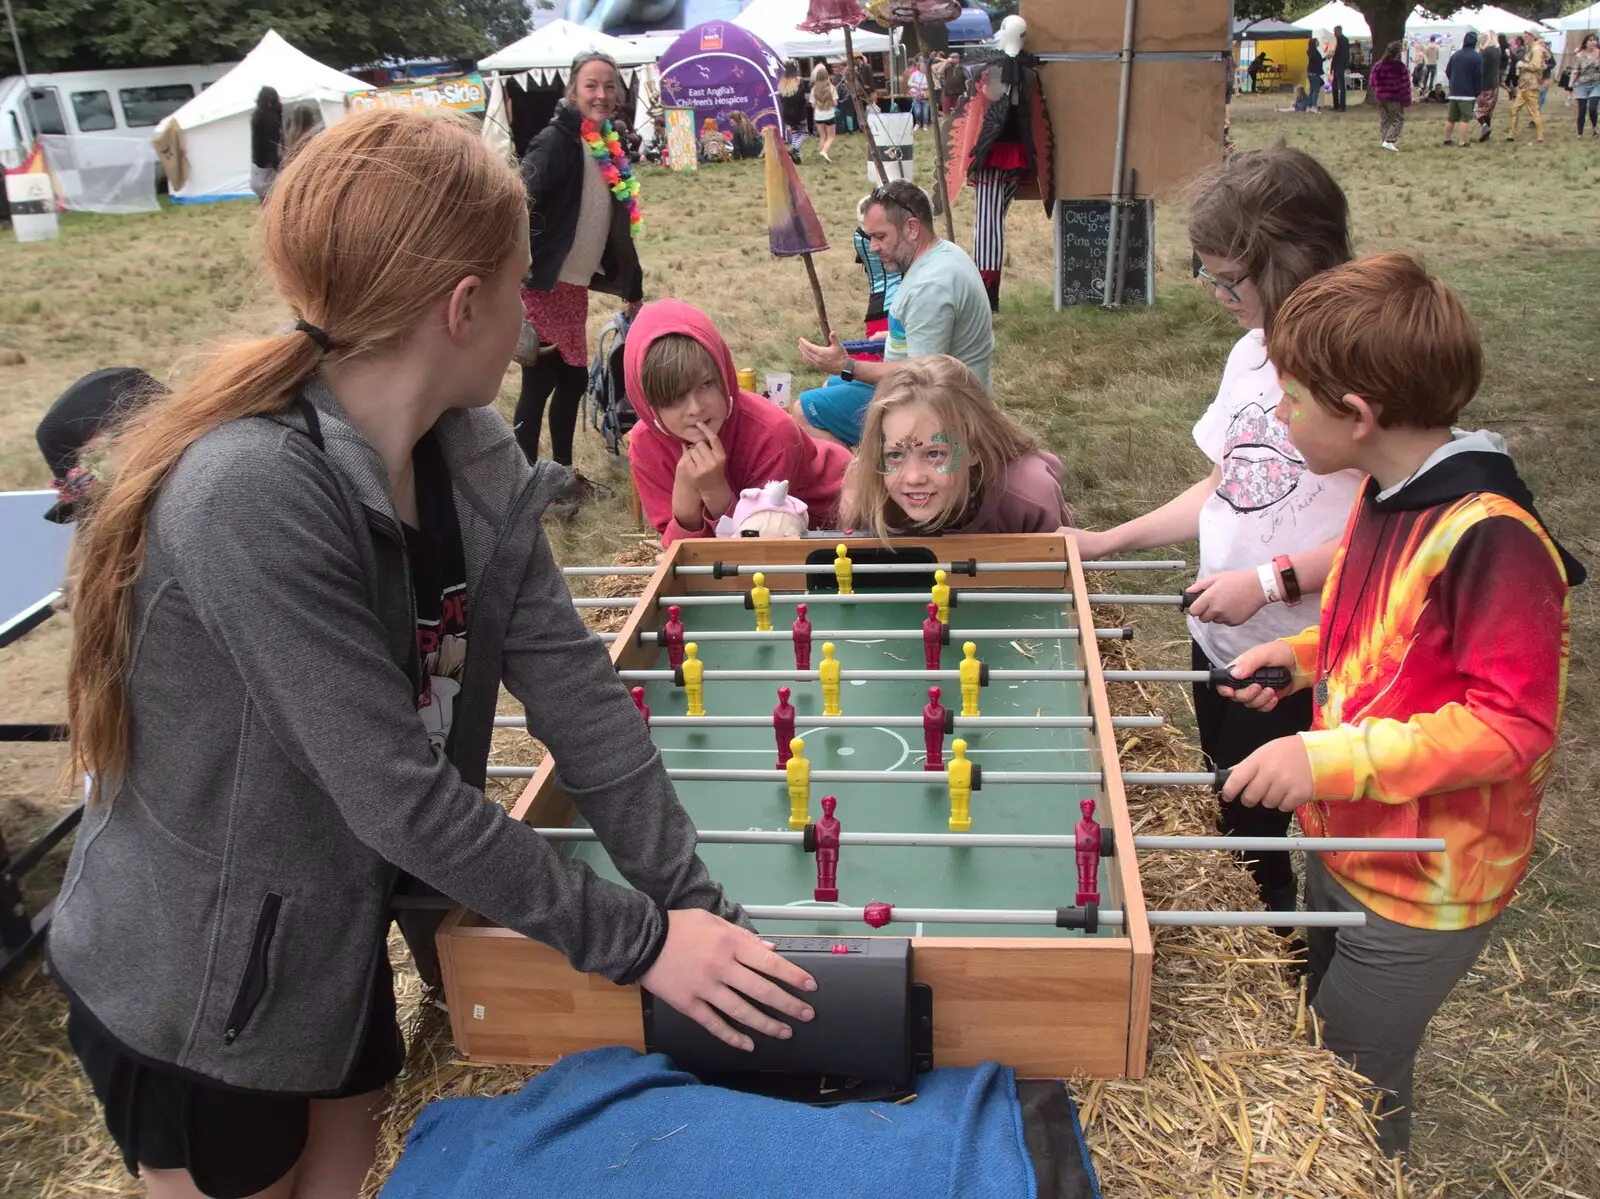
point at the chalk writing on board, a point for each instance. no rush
(1082, 230)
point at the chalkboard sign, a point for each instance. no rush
(1082, 229)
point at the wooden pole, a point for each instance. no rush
(861, 106)
(816, 298)
(941, 201)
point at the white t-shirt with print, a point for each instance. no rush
(1267, 503)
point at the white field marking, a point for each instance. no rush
(858, 682)
(865, 640)
(905, 750)
(845, 751)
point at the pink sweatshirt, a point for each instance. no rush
(762, 442)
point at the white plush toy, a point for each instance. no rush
(768, 511)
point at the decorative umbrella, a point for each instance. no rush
(793, 229)
(824, 16)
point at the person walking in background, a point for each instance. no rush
(1549, 68)
(1493, 51)
(1314, 72)
(1341, 67)
(792, 107)
(301, 123)
(824, 108)
(1430, 64)
(266, 142)
(1464, 75)
(1391, 88)
(954, 83)
(1586, 83)
(580, 237)
(917, 88)
(849, 119)
(1530, 78)
(1257, 64)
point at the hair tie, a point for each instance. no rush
(317, 335)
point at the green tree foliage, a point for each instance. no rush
(84, 34)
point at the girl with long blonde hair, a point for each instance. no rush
(824, 108)
(297, 597)
(938, 456)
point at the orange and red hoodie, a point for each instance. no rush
(763, 443)
(1440, 666)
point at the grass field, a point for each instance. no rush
(1509, 1080)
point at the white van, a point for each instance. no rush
(129, 102)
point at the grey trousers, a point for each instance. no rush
(1375, 988)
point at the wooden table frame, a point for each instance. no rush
(1048, 1007)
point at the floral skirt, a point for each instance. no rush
(561, 318)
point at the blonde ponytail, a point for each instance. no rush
(370, 225)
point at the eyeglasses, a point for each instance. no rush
(1228, 289)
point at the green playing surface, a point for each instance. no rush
(907, 876)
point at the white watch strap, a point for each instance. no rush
(1269, 583)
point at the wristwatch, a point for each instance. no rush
(847, 372)
(1291, 583)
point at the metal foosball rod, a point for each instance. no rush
(985, 778)
(728, 569)
(876, 722)
(957, 598)
(1046, 841)
(1052, 917)
(647, 637)
(1269, 676)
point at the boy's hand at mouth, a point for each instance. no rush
(705, 462)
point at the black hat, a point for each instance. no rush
(83, 411)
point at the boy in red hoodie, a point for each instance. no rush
(1438, 665)
(700, 440)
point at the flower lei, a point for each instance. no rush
(615, 169)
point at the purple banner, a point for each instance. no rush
(718, 68)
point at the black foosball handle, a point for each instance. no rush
(1221, 779)
(1276, 677)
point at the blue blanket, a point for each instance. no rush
(620, 1124)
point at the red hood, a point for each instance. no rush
(655, 320)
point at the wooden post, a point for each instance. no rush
(861, 105)
(816, 298)
(941, 201)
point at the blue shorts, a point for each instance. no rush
(837, 407)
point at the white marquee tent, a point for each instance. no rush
(1325, 18)
(777, 22)
(216, 123)
(1488, 19)
(547, 53)
(1584, 18)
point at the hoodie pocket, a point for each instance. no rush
(254, 983)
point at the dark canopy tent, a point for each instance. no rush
(1268, 31)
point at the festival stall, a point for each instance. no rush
(718, 69)
(215, 125)
(1283, 43)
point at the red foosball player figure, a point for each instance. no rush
(802, 639)
(783, 726)
(1087, 835)
(933, 730)
(932, 637)
(827, 842)
(672, 634)
(638, 702)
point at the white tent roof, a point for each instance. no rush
(777, 22)
(1325, 18)
(273, 63)
(1584, 18)
(553, 47)
(1487, 18)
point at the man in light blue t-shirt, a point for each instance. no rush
(941, 308)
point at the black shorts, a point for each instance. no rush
(233, 1143)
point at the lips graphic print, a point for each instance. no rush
(1260, 467)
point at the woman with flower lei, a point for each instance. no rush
(583, 208)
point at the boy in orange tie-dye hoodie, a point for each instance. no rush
(1438, 665)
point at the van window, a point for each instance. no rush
(93, 110)
(144, 106)
(45, 109)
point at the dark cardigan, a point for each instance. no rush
(552, 171)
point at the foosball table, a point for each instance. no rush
(907, 744)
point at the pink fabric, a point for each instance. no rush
(561, 317)
(1391, 82)
(762, 442)
(1027, 499)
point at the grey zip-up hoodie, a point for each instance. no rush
(225, 912)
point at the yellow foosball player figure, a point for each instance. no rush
(694, 679)
(843, 570)
(941, 595)
(960, 771)
(798, 770)
(971, 678)
(761, 601)
(828, 672)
